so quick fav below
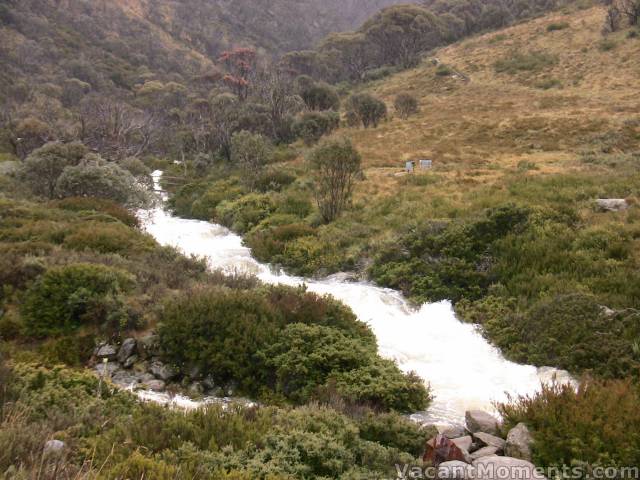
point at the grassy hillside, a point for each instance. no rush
(527, 127)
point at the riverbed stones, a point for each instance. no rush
(127, 350)
(452, 431)
(456, 470)
(464, 443)
(441, 449)
(130, 362)
(106, 351)
(484, 452)
(481, 421)
(162, 371)
(505, 468)
(488, 440)
(519, 441)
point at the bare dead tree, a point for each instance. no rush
(116, 129)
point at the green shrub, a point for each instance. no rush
(65, 298)
(280, 342)
(596, 425)
(88, 204)
(246, 212)
(571, 332)
(108, 238)
(607, 44)
(525, 62)
(447, 260)
(274, 181)
(553, 27)
(204, 205)
(312, 126)
(268, 244)
(444, 71)
(220, 331)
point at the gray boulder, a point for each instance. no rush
(505, 468)
(612, 204)
(53, 448)
(130, 362)
(463, 443)
(480, 421)
(452, 431)
(162, 371)
(489, 440)
(519, 441)
(456, 470)
(106, 351)
(127, 350)
(484, 452)
(125, 379)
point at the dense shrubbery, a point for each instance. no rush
(89, 204)
(572, 332)
(447, 260)
(118, 436)
(597, 425)
(312, 126)
(66, 298)
(283, 342)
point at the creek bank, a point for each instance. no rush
(475, 450)
(136, 365)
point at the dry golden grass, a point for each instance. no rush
(479, 132)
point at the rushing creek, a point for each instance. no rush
(464, 370)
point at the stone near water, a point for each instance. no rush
(53, 448)
(130, 362)
(106, 351)
(489, 440)
(452, 431)
(484, 452)
(481, 421)
(612, 204)
(505, 468)
(127, 350)
(456, 470)
(464, 443)
(519, 441)
(441, 449)
(162, 371)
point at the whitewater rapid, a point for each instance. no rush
(463, 369)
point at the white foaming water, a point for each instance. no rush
(464, 370)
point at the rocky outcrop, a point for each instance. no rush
(106, 351)
(464, 443)
(456, 470)
(480, 449)
(53, 448)
(519, 441)
(127, 350)
(484, 452)
(480, 421)
(441, 449)
(505, 468)
(612, 204)
(488, 440)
